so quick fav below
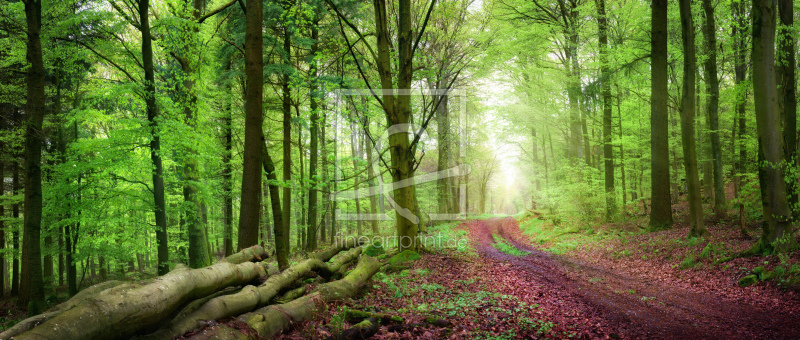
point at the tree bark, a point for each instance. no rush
(787, 94)
(270, 320)
(160, 209)
(281, 237)
(287, 141)
(697, 228)
(253, 297)
(777, 213)
(15, 234)
(125, 311)
(661, 209)
(720, 204)
(3, 272)
(227, 179)
(31, 283)
(311, 243)
(398, 115)
(605, 76)
(253, 134)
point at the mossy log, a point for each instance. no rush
(252, 297)
(355, 316)
(271, 320)
(129, 309)
(30, 323)
(360, 331)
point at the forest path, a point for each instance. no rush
(607, 303)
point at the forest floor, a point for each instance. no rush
(539, 282)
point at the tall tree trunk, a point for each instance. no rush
(15, 233)
(373, 200)
(622, 156)
(443, 162)
(720, 206)
(356, 155)
(697, 228)
(776, 208)
(661, 209)
(227, 179)
(32, 285)
(398, 115)
(3, 273)
(313, 143)
(281, 237)
(253, 134)
(325, 178)
(740, 69)
(287, 140)
(787, 94)
(605, 76)
(155, 141)
(198, 244)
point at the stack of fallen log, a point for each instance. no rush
(185, 301)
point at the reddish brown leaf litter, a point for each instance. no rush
(547, 296)
(640, 306)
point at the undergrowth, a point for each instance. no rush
(503, 246)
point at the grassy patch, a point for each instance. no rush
(562, 238)
(505, 247)
(447, 236)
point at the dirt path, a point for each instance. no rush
(609, 304)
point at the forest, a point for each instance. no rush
(338, 169)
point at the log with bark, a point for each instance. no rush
(271, 320)
(128, 309)
(252, 297)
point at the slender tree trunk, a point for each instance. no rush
(776, 208)
(443, 162)
(287, 139)
(356, 155)
(720, 206)
(373, 200)
(314, 142)
(155, 142)
(227, 180)
(15, 234)
(697, 228)
(325, 178)
(787, 94)
(740, 68)
(3, 273)
(605, 76)
(281, 237)
(32, 285)
(661, 210)
(253, 134)
(622, 156)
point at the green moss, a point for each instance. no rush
(405, 256)
(375, 249)
(748, 280)
(758, 270)
(688, 262)
(767, 276)
(709, 250)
